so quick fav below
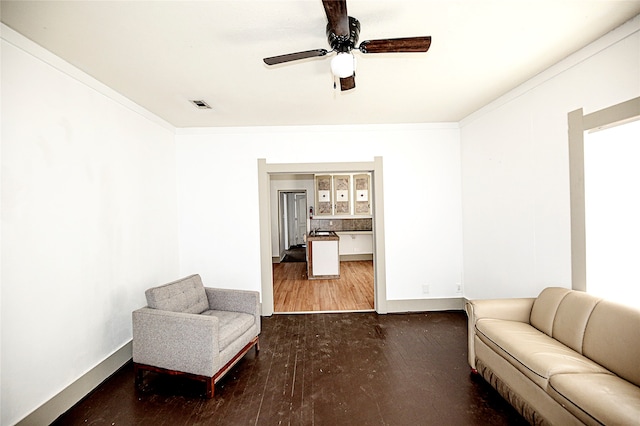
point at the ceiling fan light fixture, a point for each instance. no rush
(343, 65)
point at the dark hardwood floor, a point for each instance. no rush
(320, 369)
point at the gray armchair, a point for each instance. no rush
(191, 330)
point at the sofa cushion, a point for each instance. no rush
(597, 398)
(571, 318)
(544, 308)
(185, 295)
(231, 325)
(612, 339)
(532, 352)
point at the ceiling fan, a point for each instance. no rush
(342, 34)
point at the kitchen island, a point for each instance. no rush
(323, 255)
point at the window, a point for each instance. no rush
(605, 201)
(612, 212)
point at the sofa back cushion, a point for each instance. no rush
(571, 318)
(612, 339)
(184, 295)
(544, 308)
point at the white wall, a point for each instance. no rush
(218, 198)
(89, 221)
(516, 168)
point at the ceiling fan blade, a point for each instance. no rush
(337, 17)
(348, 83)
(295, 56)
(394, 45)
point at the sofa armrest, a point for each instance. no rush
(514, 309)
(176, 341)
(235, 301)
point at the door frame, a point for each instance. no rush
(266, 170)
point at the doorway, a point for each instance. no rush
(268, 171)
(292, 220)
(293, 291)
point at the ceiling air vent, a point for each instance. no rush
(201, 104)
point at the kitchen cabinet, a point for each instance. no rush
(341, 191)
(324, 202)
(343, 195)
(323, 258)
(362, 192)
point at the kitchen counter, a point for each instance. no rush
(323, 257)
(322, 236)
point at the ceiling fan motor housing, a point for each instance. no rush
(341, 43)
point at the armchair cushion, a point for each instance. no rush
(185, 295)
(231, 325)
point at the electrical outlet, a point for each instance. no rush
(425, 288)
(459, 288)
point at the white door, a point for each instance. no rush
(294, 218)
(301, 217)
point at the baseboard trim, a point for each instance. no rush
(72, 394)
(424, 305)
(355, 257)
(343, 257)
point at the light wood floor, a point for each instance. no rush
(293, 292)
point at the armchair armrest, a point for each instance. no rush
(176, 341)
(235, 301)
(514, 309)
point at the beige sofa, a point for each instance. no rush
(563, 358)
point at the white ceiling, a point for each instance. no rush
(161, 54)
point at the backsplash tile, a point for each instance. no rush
(342, 225)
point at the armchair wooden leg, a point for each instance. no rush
(211, 386)
(257, 345)
(137, 374)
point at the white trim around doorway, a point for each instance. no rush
(265, 170)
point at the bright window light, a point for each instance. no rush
(612, 212)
